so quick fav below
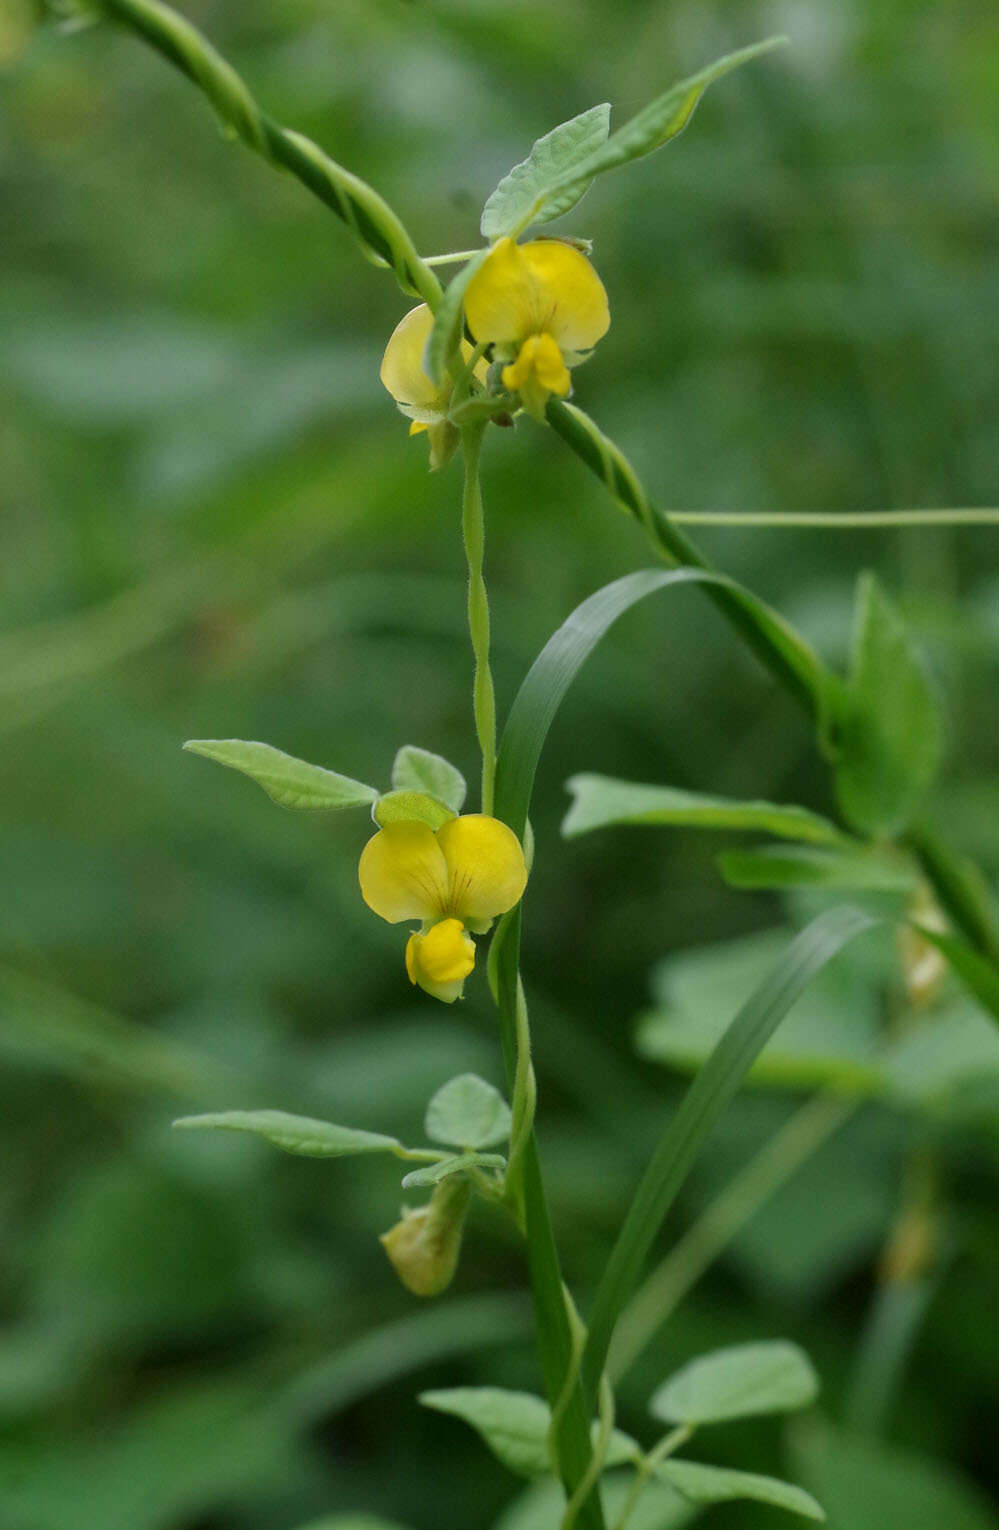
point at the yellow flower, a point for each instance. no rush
(542, 308)
(455, 879)
(420, 399)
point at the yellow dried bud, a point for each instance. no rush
(425, 1245)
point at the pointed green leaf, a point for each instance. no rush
(602, 800)
(407, 807)
(739, 1382)
(521, 197)
(467, 1112)
(718, 1484)
(515, 1426)
(435, 1172)
(652, 127)
(289, 782)
(294, 1134)
(418, 770)
(857, 870)
(891, 733)
(448, 321)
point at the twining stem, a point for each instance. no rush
(373, 223)
(834, 520)
(645, 1468)
(662, 1291)
(473, 533)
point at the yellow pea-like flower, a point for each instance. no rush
(459, 877)
(423, 402)
(542, 308)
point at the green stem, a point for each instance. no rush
(611, 466)
(555, 1339)
(663, 1290)
(473, 533)
(373, 223)
(666, 1446)
(833, 520)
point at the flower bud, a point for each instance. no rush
(425, 1244)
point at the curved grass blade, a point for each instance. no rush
(555, 668)
(711, 1091)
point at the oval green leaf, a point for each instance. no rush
(515, 1426)
(419, 770)
(600, 801)
(289, 782)
(739, 1382)
(721, 1484)
(407, 807)
(846, 870)
(522, 196)
(303, 1135)
(466, 1112)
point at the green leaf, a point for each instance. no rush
(515, 1426)
(448, 321)
(857, 870)
(962, 890)
(719, 1484)
(652, 127)
(711, 1091)
(405, 807)
(602, 800)
(891, 735)
(542, 1504)
(445, 1167)
(739, 1382)
(521, 197)
(467, 1112)
(294, 1134)
(418, 770)
(291, 783)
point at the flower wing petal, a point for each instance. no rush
(576, 311)
(403, 873)
(441, 960)
(402, 365)
(487, 874)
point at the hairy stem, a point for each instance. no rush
(373, 223)
(473, 533)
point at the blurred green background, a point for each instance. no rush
(214, 525)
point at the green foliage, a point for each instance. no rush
(459, 1164)
(402, 806)
(599, 801)
(774, 1377)
(556, 175)
(891, 731)
(449, 321)
(720, 1484)
(660, 1507)
(849, 870)
(515, 1426)
(418, 770)
(294, 1134)
(289, 782)
(466, 1112)
(522, 196)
